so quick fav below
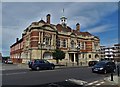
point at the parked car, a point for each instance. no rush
(92, 63)
(38, 64)
(104, 67)
(8, 61)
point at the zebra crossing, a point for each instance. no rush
(87, 84)
(95, 83)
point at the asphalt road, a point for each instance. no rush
(28, 77)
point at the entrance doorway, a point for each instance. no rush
(73, 57)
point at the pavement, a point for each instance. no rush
(25, 66)
(116, 80)
(106, 82)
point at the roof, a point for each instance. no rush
(60, 28)
(42, 21)
(82, 33)
(19, 41)
(117, 45)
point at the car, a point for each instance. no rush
(38, 64)
(104, 67)
(9, 61)
(92, 63)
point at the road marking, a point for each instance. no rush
(2, 69)
(46, 70)
(76, 81)
(92, 83)
(98, 84)
(15, 73)
(102, 82)
(95, 83)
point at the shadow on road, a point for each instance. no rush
(56, 84)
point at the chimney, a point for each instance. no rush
(48, 18)
(78, 27)
(17, 39)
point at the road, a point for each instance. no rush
(28, 77)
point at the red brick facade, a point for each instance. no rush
(41, 38)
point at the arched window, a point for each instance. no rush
(72, 44)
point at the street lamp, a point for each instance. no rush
(40, 47)
(78, 48)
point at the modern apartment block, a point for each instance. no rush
(110, 53)
(102, 52)
(41, 38)
(0, 56)
(117, 52)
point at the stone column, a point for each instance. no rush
(67, 57)
(39, 36)
(74, 58)
(42, 37)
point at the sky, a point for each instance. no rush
(98, 18)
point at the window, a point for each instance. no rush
(58, 42)
(96, 45)
(89, 56)
(64, 43)
(47, 40)
(83, 56)
(82, 45)
(79, 44)
(27, 41)
(72, 44)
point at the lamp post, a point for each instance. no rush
(78, 48)
(40, 47)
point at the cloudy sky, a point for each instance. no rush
(98, 18)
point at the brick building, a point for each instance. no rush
(41, 38)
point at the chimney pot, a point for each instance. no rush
(78, 27)
(48, 18)
(17, 39)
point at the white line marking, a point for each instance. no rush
(2, 69)
(92, 83)
(98, 84)
(15, 73)
(47, 70)
(102, 82)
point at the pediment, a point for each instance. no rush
(73, 34)
(48, 27)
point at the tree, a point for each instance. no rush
(58, 55)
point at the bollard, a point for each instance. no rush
(111, 76)
(118, 70)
